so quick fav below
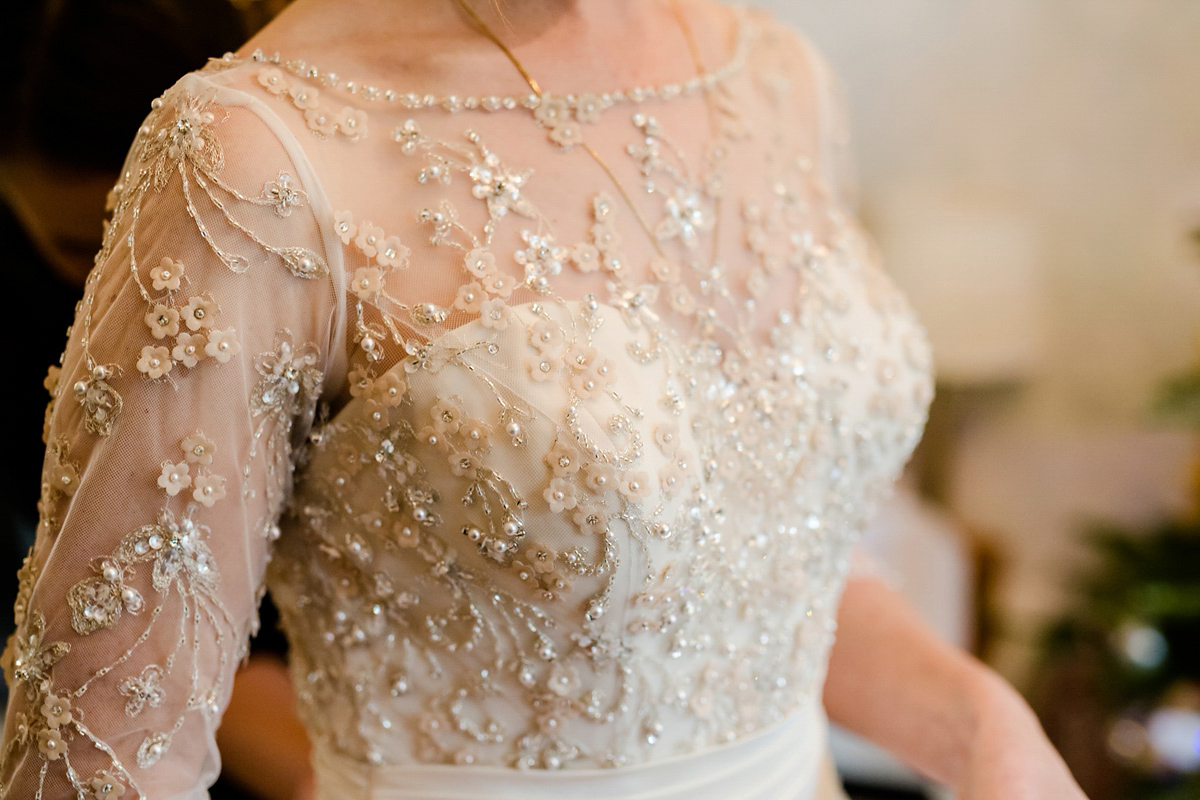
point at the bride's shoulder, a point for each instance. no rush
(781, 39)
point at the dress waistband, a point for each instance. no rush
(780, 763)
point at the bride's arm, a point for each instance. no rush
(195, 363)
(941, 711)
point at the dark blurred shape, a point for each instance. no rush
(86, 70)
(79, 76)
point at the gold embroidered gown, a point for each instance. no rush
(549, 422)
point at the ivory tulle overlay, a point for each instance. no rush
(549, 468)
(782, 762)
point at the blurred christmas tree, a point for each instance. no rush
(1121, 687)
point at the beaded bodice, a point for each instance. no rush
(551, 422)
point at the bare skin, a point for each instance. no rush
(435, 47)
(944, 713)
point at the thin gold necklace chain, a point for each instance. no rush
(537, 89)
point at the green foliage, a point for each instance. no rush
(1179, 398)
(1148, 579)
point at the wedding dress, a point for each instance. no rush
(549, 422)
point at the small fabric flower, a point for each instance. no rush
(51, 744)
(563, 459)
(361, 384)
(542, 367)
(541, 558)
(586, 257)
(106, 787)
(155, 362)
(493, 314)
(591, 520)
(304, 97)
(604, 235)
(681, 300)
(352, 123)
(670, 478)
(391, 253)
(367, 282)
(369, 238)
(163, 321)
(588, 108)
(64, 478)
(588, 384)
(560, 494)
(273, 80)
(602, 206)
(546, 336)
(465, 465)
(447, 416)
(166, 275)
(563, 680)
(199, 313)
(664, 270)
(50, 382)
(558, 585)
(175, 477)
(389, 389)
(552, 112)
(56, 711)
(566, 135)
(635, 485)
(340, 480)
(405, 534)
(667, 438)
(321, 121)
(500, 284)
(599, 477)
(526, 574)
(480, 262)
(222, 345)
(189, 349)
(208, 489)
(348, 457)
(199, 449)
(470, 297)
(376, 414)
(343, 224)
(582, 357)
(475, 433)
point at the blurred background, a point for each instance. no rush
(1031, 171)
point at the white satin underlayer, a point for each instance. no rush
(785, 762)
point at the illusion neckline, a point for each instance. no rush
(589, 102)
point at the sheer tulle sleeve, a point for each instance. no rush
(834, 150)
(198, 355)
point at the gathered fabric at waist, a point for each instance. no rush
(782, 762)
